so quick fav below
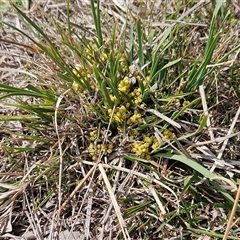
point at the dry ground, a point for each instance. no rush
(29, 198)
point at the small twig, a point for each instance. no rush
(60, 147)
(159, 203)
(120, 188)
(234, 209)
(165, 118)
(76, 189)
(206, 113)
(114, 202)
(32, 48)
(103, 221)
(141, 175)
(88, 213)
(216, 140)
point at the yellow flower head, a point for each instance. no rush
(124, 85)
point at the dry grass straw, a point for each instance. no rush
(114, 202)
(232, 215)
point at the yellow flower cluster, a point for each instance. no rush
(135, 118)
(155, 145)
(91, 51)
(123, 63)
(148, 140)
(136, 95)
(180, 88)
(104, 57)
(96, 150)
(113, 98)
(178, 91)
(143, 148)
(93, 136)
(185, 103)
(85, 75)
(77, 87)
(133, 135)
(92, 48)
(145, 82)
(124, 112)
(124, 85)
(152, 141)
(168, 134)
(120, 114)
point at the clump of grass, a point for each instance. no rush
(117, 105)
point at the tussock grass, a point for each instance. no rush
(121, 123)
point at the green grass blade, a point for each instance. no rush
(164, 37)
(140, 43)
(131, 46)
(97, 21)
(135, 209)
(200, 128)
(197, 75)
(189, 162)
(33, 92)
(105, 93)
(169, 64)
(199, 168)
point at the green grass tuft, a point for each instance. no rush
(114, 100)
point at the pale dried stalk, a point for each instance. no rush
(114, 202)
